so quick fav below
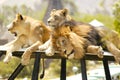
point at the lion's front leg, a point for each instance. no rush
(8, 56)
(50, 51)
(95, 50)
(26, 56)
(47, 47)
(13, 46)
(28, 52)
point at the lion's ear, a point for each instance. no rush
(19, 17)
(53, 10)
(65, 12)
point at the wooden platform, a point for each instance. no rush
(38, 55)
(88, 56)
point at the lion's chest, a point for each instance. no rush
(31, 40)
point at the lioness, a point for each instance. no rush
(70, 38)
(28, 31)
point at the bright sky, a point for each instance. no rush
(29, 3)
(83, 5)
(1, 1)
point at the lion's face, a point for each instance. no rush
(17, 26)
(57, 17)
(64, 45)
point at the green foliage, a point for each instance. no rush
(39, 14)
(117, 25)
(107, 20)
(116, 12)
(70, 65)
(2, 17)
(55, 67)
(7, 69)
(23, 9)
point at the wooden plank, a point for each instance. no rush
(57, 56)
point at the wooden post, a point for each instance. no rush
(16, 72)
(106, 69)
(36, 66)
(83, 69)
(63, 69)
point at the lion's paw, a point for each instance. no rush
(25, 59)
(49, 52)
(71, 56)
(7, 58)
(41, 48)
(100, 52)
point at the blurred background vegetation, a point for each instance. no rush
(110, 19)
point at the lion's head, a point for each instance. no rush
(18, 25)
(57, 17)
(65, 47)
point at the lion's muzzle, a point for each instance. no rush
(10, 26)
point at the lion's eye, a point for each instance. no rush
(55, 17)
(13, 23)
(63, 42)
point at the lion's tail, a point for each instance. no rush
(43, 69)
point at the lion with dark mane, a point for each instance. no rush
(74, 39)
(70, 38)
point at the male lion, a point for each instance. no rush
(108, 39)
(28, 31)
(70, 38)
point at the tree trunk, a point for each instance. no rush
(52, 4)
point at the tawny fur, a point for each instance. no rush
(110, 39)
(28, 31)
(74, 36)
(65, 32)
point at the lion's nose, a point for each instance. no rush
(48, 21)
(10, 26)
(9, 29)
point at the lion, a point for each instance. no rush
(70, 38)
(29, 33)
(97, 37)
(110, 39)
